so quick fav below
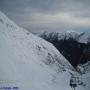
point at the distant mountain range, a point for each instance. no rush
(74, 46)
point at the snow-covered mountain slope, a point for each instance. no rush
(85, 77)
(28, 62)
(84, 37)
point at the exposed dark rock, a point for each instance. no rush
(74, 51)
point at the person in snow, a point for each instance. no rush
(73, 83)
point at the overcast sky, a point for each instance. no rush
(51, 15)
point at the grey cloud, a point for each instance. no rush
(27, 13)
(65, 5)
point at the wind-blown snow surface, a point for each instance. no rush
(29, 62)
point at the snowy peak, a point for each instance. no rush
(20, 38)
(5, 20)
(82, 37)
(28, 61)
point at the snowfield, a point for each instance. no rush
(30, 63)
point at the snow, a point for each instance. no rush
(85, 77)
(82, 37)
(29, 62)
(85, 37)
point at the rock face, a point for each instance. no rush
(75, 47)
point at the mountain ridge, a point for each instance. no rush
(27, 61)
